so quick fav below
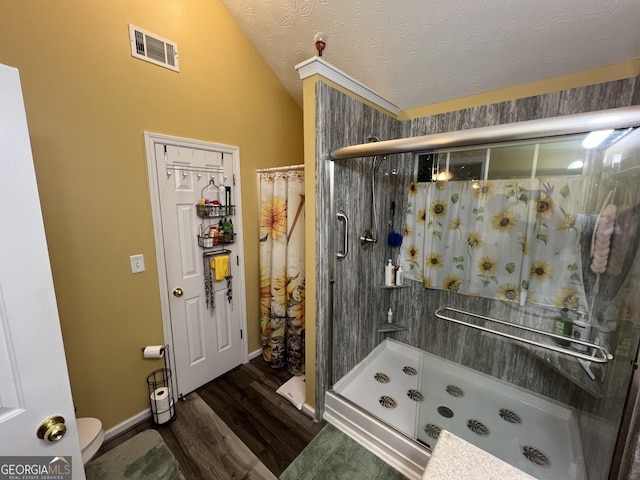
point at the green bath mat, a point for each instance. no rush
(335, 456)
(142, 457)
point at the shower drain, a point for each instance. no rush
(536, 456)
(446, 412)
(382, 377)
(387, 401)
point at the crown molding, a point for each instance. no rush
(316, 65)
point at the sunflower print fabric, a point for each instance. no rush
(511, 240)
(282, 279)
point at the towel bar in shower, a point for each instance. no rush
(600, 354)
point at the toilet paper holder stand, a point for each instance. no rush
(162, 402)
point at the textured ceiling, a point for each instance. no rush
(419, 52)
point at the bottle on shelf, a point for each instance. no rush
(228, 199)
(214, 235)
(389, 274)
(399, 276)
(562, 326)
(226, 226)
(389, 316)
(580, 330)
(222, 193)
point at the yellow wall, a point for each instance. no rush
(88, 102)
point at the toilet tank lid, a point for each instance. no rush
(88, 429)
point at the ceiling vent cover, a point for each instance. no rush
(153, 48)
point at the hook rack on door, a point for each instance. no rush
(172, 167)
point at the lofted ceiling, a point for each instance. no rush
(419, 52)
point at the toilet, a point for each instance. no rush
(91, 436)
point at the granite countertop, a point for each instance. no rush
(455, 458)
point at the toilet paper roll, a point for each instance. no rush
(161, 404)
(153, 351)
(165, 416)
(160, 400)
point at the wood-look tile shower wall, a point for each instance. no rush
(359, 304)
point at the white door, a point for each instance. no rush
(34, 382)
(207, 331)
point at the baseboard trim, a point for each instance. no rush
(255, 354)
(309, 411)
(127, 424)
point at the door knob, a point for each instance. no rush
(52, 429)
(177, 292)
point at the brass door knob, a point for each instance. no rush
(177, 292)
(52, 429)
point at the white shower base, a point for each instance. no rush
(409, 392)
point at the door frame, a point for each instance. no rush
(150, 139)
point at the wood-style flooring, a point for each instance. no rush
(236, 426)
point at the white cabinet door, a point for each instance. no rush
(34, 382)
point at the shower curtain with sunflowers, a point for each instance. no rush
(512, 240)
(282, 276)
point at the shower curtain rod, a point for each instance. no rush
(286, 168)
(623, 117)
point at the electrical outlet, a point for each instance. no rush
(137, 263)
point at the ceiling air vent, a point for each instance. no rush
(153, 48)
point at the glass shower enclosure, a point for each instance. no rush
(517, 325)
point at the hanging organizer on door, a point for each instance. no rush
(216, 230)
(216, 211)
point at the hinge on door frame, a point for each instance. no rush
(240, 334)
(237, 260)
(234, 179)
(166, 159)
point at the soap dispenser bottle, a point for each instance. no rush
(399, 276)
(389, 274)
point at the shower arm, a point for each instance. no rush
(604, 357)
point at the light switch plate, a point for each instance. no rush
(137, 263)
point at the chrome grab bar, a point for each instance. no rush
(345, 243)
(604, 357)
